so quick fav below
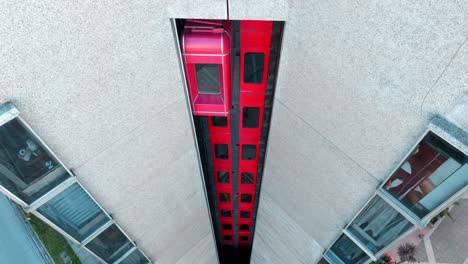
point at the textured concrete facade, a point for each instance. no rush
(359, 82)
(100, 82)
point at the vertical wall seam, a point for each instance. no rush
(227, 9)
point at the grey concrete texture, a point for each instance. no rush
(157, 194)
(366, 67)
(279, 239)
(420, 253)
(449, 241)
(100, 82)
(260, 9)
(358, 85)
(311, 179)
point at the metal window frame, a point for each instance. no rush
(62, 231)
(9, 112)
(130, 252)
(96, 234)
(372, 256)
(50, 195)
(124, 256)
(421, 222)
(359, 243)
(399, 207)
(334, 241)
(56, 189)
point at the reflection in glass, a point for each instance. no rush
(253, 67)
(26, 168)
(207, 78)
(250, 116)
(110, 245)
(378, 225)
(433, 172)
(344, 251)
(135, 258)
(75, 212)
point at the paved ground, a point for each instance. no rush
(448, 243)
(17, 241)
(450, 240)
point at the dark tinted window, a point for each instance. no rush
(244, 238)
(248, 152)
(225, 197)
(245, 214)
(227, 237)
(250, 117)
(221, 151)
(227, 226)
(253, 67)
(247, 178)
(244, 227)
(223, 177)
(225, 213)
(246, 198)
(219, 121)
(110, 245)
(207, 78)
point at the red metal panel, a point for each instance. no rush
(255, 37)
(208, 44)
(248, 99)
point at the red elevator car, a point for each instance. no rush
(206, 51)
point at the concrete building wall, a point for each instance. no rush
(359, 82)
(100, 82)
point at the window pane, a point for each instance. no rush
(378, 225)
(225, 197)
(253, 67)
(227, 226)
(245, 214)
(221, 151)
(207, 78)
(244, 227)
(246, 198)
(247, 178)
(248, 152)
(344, 251)
(250, 117)
(219, 121)
(227, 237)
(75, 212)
(223, 177)
(244, 238)
(432, 174)
(26, 168)
(135, 258)
(110, 245)
(225, 213)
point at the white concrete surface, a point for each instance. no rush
(358, 83)
(101, 83)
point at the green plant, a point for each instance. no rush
(446, 211)
(54, 242)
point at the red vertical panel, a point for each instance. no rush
(255, 37)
